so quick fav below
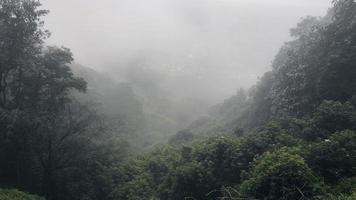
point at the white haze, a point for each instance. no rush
(201, 49)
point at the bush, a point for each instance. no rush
(140, 177)
(280, 175)
(331, 117)
(346, 185)
(335, 157)
(342, 197)
(203, 168)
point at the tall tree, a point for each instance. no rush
(45, 136)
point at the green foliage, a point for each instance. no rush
(220, 161)
(182, 137)
(293, 131)
(196, 170)
(280, 175)
(332, 116)
(342, 197)
(187, 180)
(335, 157)
(346, 185)
(317, 65)
(17, 195)
(210, 164)
(51, 144)
(260, 111)
(295, 127)
(145, 173)
(140, 187)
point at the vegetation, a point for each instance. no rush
(343, 197)
(17, 195)
(292, 136)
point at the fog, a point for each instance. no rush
(198, 49)
(177, 99)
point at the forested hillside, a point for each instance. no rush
(134, 108)
(70, 133)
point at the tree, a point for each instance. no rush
(49, 141)
(318, 64)
(281, 175)
(182, 137)
(333, 116)
(334, 157)
(21, 41)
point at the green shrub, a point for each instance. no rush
(334, 158)
(342, 197)
(281, 175)
(333, 116)
(346, 185)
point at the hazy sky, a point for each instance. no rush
(216, 45)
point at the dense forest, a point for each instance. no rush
(68, 132)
